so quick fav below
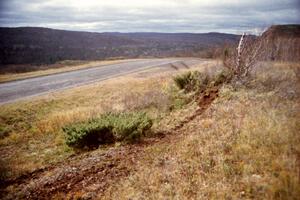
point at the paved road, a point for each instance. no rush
(15, 90)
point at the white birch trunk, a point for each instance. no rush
(239, 53)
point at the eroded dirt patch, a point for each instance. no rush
(87, 173)
(204, 101)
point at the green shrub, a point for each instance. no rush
(182, 80)
(130, 126)
(177, 98)
(198, 82)
(223, 76)
(192, 81)
(108, 128)
(91, 133)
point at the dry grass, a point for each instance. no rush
(35, 137)
(65, 68)
(246, 146)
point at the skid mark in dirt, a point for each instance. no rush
(93, 172)
(204, 101)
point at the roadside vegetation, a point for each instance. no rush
(131, 126)
(108, 128)
(245, 146)
(32, 134)
(218, 132)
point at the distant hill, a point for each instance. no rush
(287, 31)
(282, 42)
(31, 45)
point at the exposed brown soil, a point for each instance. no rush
(204, 100)
(89, 174)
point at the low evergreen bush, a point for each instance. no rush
(224, 76)
(108, 128)
(195, 81)
(192, 81)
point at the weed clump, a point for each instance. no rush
(191, 81)
(224, 76)
(108, 128)
(197, 82)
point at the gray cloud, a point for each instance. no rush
(156, 15)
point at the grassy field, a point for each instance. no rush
(244, 146)
(56, 68)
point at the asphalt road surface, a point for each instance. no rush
(16, 90)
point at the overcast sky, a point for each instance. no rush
(233, 16)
